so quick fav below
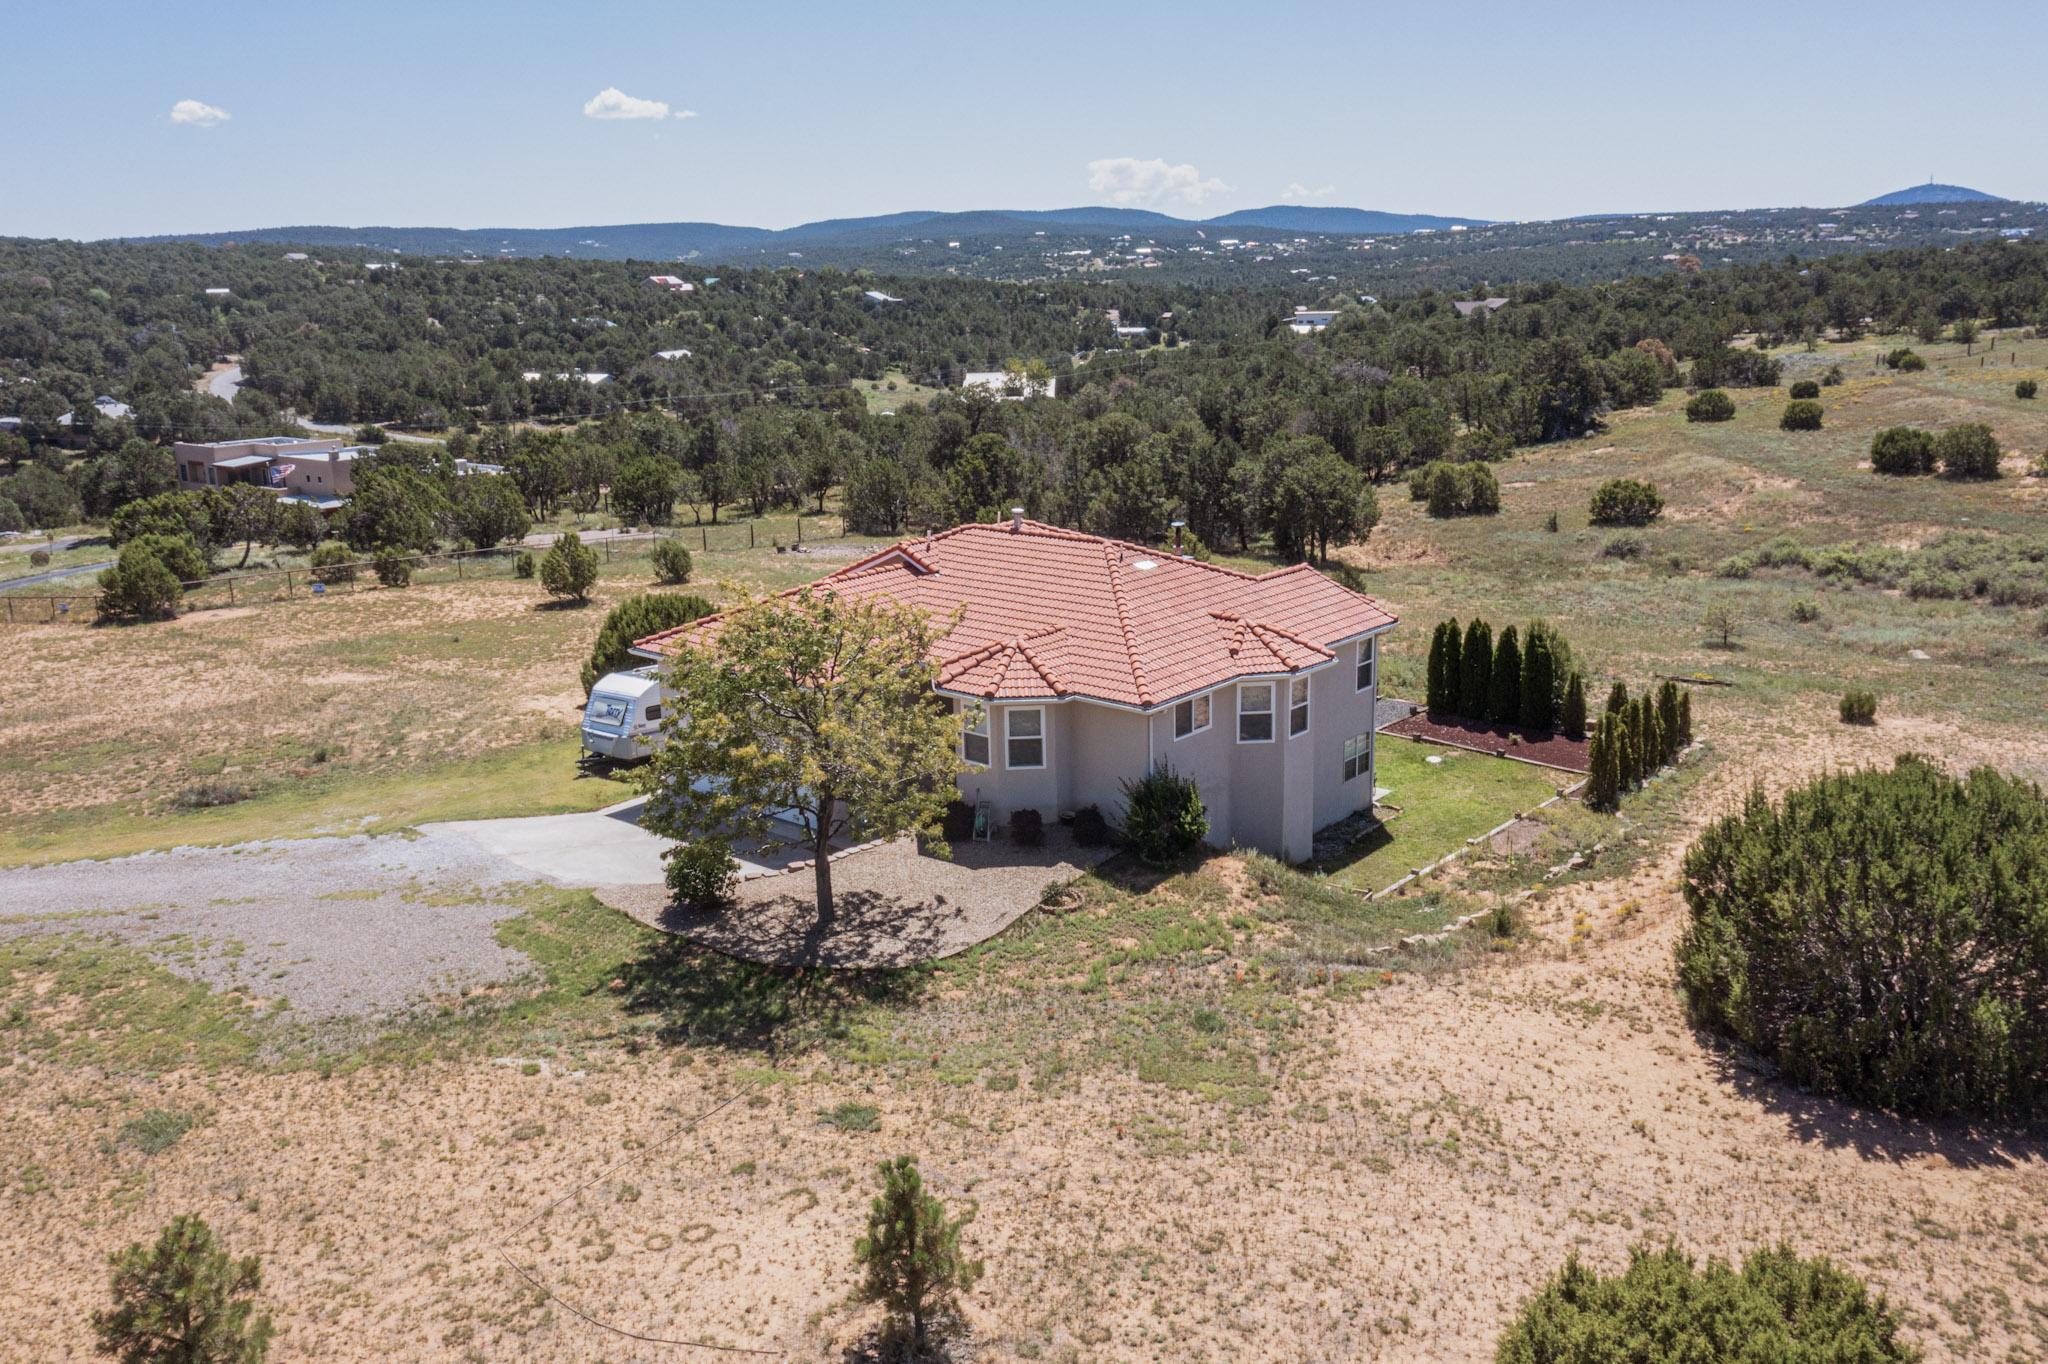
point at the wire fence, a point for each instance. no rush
(264, 587)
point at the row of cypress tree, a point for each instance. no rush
(1524, 679)
(1637, 735)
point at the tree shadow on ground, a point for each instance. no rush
(1871, 1132)
(699, 996)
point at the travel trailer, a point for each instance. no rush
(622, 719)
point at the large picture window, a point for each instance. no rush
(1024, 735)
(1191, 717)
(1365, 662)
(1255, 713)
(1297, 706)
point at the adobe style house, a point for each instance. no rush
(309, 469)
(1091, 661)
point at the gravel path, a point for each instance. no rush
(340, 927)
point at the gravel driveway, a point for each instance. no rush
(339, 927)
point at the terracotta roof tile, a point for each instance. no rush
(1047, 612)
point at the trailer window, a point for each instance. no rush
(608, 710)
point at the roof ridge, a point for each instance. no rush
(1046, 674)
(1289, 635)
(1113, 562)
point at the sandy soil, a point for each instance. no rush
(1404, 1189)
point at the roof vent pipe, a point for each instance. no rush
(1016, 519)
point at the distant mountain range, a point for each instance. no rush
(1931, 193)
(671, 241)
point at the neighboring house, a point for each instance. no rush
(675, 284)
(218, 293)
(534, 376)
(677, 354)
(1087, 662)
(1007, 386)
(108, 408)
(1468, 306)
(877, 296)
(1306, 320)
(298, 468)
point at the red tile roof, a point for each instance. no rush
(1046, 612)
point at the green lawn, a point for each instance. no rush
(1442, 804)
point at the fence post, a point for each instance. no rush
(705, 531)
(458, 568)
(608, 549)
(750, 535)
(231, 591)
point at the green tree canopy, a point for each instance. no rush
(184, 1300)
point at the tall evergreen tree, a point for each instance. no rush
(1684, 719)
(911, 1257)
(1443, 649)
(1504, 701)
(1454, 667)
(1667, 719)
(1572, 723)
(1617, 697)
(1603, 780)
(1475, 663)
(1539, 679)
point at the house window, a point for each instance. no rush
(1297, 706)
(1357, 756)
(1191, 717)
(1024, 731)
(1365, 662)
(1255, 713)
(974, 738)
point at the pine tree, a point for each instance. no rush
(1475, 665)
(1504, 700)
(1454, 674)
(184, 1299)
(1573, 722)
(1539, 679)
(912, 1250)
(1653, 738)
(1617, 697)
(1441, 645)
(1603, 780)
(1685, 719)
(1667, 719)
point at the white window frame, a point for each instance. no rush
(1358, 756)
(1245, 689)
(978, 731)
(1301, 706)
(1012, 738)
(1207, 706)
(1368, 666)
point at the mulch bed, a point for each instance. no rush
(1536, 746)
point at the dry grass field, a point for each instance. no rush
(1198, 1117)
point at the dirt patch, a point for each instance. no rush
(1507, 741)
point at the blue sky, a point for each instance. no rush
(470, 115)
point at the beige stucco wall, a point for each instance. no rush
(1272, 796)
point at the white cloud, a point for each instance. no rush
(612, 102)
(197, 114)
(1129, 182)
(1297, 190)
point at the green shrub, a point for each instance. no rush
(1801, 414)
(393, 567)
(1709, 405)
(1027, 828)
(1663, 1310)
(157, 1130)
(1881, 934)
(1967, 451)
(333, 562)
(39, 558)
(569, 569)
(1905, 360)
(1859, 707)
(1455, 489)
(671, 562)
(1623, 547)
(1902, 450)
(636, 618)
(1164, 818)
(1806, 388)
(524, 565)
(701, 875)
(1626, 502)
(1091, 830)
(1833, 377)
(208, 795)
(957, 824)
(2026, 388)
(11, 517)
(147, 581)
(852, 1117)
(1805, 612)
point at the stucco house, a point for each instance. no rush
(1084, 662)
